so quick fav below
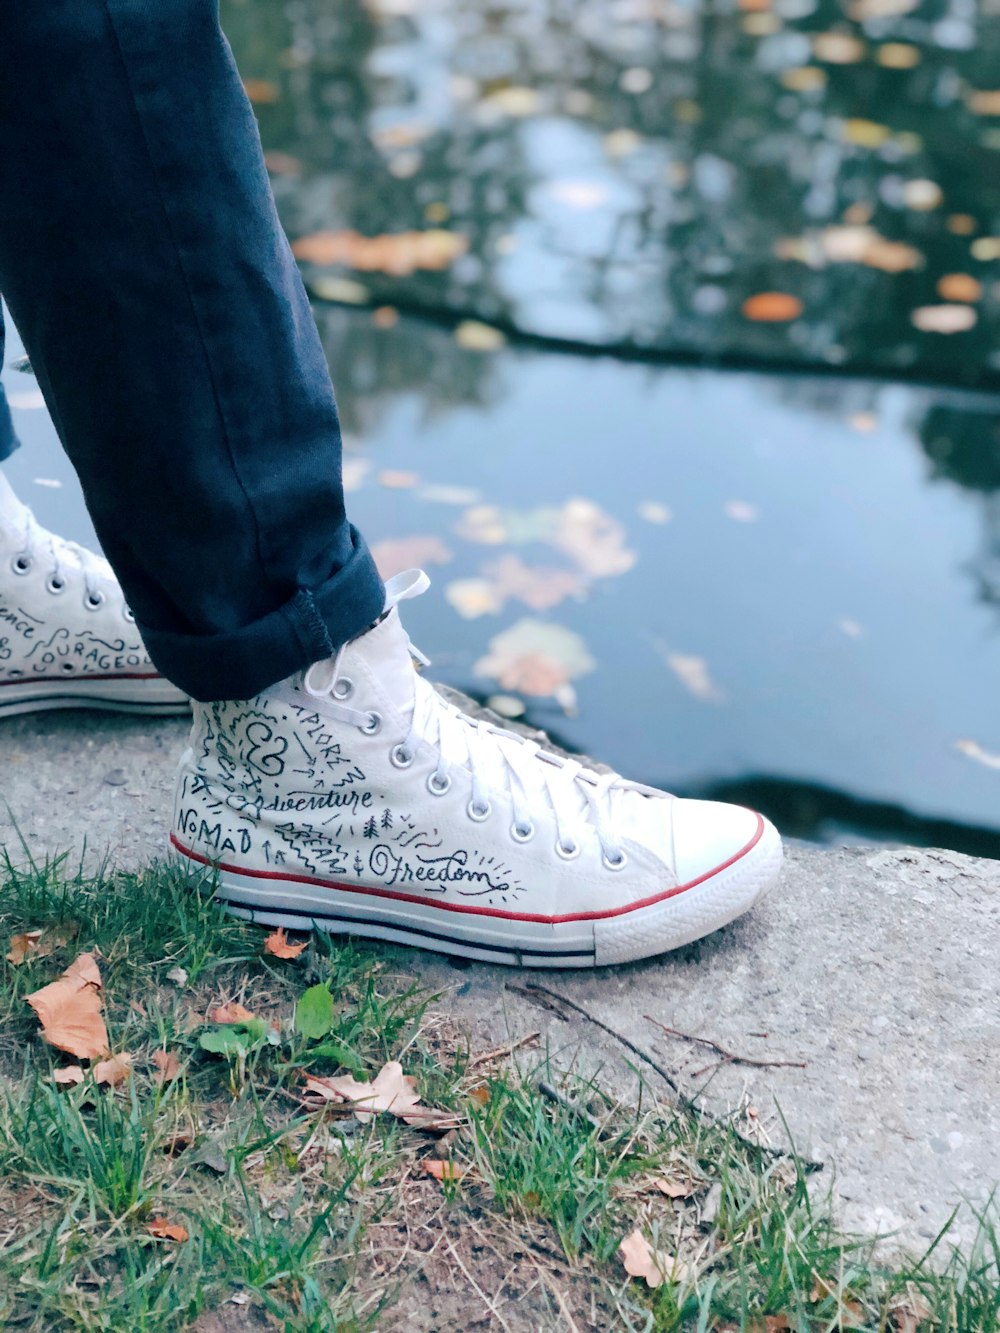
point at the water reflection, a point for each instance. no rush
(630, 172)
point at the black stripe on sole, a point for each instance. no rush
(418, 932)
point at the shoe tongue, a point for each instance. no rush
(385, 651)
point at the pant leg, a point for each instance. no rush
(143, 262)
(8, 439)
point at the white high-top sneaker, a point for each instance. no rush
(67, 639)
(352, 797)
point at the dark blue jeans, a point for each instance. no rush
(145, 268)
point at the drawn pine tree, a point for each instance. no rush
(371, 827)
(387, 819)
(359, 865)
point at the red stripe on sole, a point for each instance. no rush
(367, 891)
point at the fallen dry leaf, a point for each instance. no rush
(164, 1229)
(909, 1314)
(475, 336)
(535, 657)
(69, 1010)
(985, 102)
(397, 480)
(944, 318)
(262, 92)
(693, 674)
(675, 1189)
(277, 944)
(772, 308)
(446, 1170)
(23, 947)
(396, 554)
(113, 1071)
(230, 1012)
(400, 253)
(655, 1266)
(69, 1076)
(837, 48)
(959, 287)
(540, 588)
(391, 1090)
(168, 1067)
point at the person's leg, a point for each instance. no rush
(143, 262)
(8, 436)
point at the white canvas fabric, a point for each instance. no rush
(352, 797)
(67, 638)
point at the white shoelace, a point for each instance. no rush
(497, 760)
(64, 555)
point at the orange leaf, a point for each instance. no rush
(113, 1071)
(442, 1170)
(959, 287)
(399, 253)
(277, 944)
(167, 1230)
(231, 1012)
(69, 1010)
(262, 91)
(391, 1090)
(654, 1266)
(167, 1066)
(772, 307)
(675, 1189)
(23, 947)
(70, 1076)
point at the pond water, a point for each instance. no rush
(645, 534)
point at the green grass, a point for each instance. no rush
(311, 1221)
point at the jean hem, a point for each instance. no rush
(309, 627)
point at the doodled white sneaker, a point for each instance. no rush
(67, 639)
(352, 797)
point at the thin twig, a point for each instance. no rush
(730, 1057)
(501, 1051)
(549, 999)
(477, 1288)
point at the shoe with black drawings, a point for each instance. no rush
(67, 639)
(353, 798)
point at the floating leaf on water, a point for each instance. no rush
(396, 479)
(262, 92)
(761, 25)
(922, 195)
(865, 133)
(594, 539)
(853, 243)
(472, 598)
(403, 135)
(804, 79)
(398, 253)
(385, 317)
(343, 291)
(862, 10)
(741, 512)
(638, 79)
(944, 318)
(961, 224)
(536, 586)
(622, 143)
(282, 164)
(862, 421)
(535, 657)
(986, 248)
(654, 512)
(437, 212)
(985, 102)
(515, 101)
(484, 524)
(850, 627)
(892, 256)
(837, 48)
(396, 554)
(579, 194)
(687, 111)
(898, 55)
(772, 307)
(475, 336)
(959, 287)
(972, 750)
(693, 674)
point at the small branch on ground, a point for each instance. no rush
(728, 1057)
(500, 1051)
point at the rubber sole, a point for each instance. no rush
(138, 694)
(646, 931)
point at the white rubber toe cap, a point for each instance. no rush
(709, 835)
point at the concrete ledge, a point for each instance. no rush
(875, 969)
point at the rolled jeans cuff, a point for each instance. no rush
(311, 626)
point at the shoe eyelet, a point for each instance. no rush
(67, 668)
(373, 726)
(21, 564)
(94, 601)
(55, 585)
(522, 832)
(15, 673)
(437, 785)
(478, 813)
(343, 689)
(128, 614)
(615, 863)
(569, 851)
(400, 756)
